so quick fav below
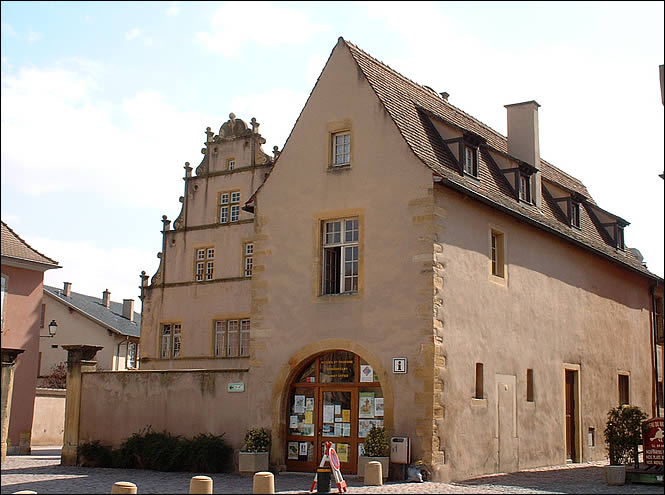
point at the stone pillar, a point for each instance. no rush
(79, 359)
(8, 361)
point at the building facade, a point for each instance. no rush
(23, 270)
(409, 268)
(84, 319)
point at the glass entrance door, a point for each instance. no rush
(335, 398)
(337, 418)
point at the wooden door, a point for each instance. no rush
(571, 454)
(338, 417)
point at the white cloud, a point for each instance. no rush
(87, 149)
(133, 34)
(33, 36)
(276, 110)
(8, 30)
(236, 24)
(174, 9)
(92, 268)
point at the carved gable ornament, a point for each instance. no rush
(233, 129)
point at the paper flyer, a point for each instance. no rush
(338, 409)
(346, 415)
(366, 373)
(309, 404)
(364, 425)
(299, 404)
(293, 422)
(378, 406)
(328, 414)
(343, 452)
(338, 429)
(366, 405)
(293, 451)
(346, 429)
(303, 448)
(308, 417)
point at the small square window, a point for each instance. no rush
(224, 199)
(620, 241)
(231, 164)
(497, 254)
(341, 149)
(235, 197)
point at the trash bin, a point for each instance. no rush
(323, 475)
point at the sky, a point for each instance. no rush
(104, 102)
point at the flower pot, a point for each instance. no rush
(252, 462)
(615, 475)
(364, 460)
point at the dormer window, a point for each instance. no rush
(575, 218)
(620, 243)
(525, 188)
(471, 161)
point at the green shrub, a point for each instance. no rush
(94, 454)
(162, 452)
(376, 442)
(257, 440)
(623, 433)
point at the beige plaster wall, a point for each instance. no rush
(20, 330)
(75, 328)
(49, 420)
(560, 304)
(390, 315)
(115, 405)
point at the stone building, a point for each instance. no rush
(402, 265)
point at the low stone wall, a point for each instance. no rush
(48, 423)
(117, 404)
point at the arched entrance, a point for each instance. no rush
(336, 397)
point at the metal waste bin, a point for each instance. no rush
(323, 475)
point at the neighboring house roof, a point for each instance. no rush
(412, 107)
(14, 247)
(93, 307)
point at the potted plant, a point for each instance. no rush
(375, 448)
(623, 433)
(254, 456)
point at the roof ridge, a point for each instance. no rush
(26, 244)
(427, 90)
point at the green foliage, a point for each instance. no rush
(257, 440)
(623, 433)
(56, 378)
(162, 452)
(94, 454)
(376, 442)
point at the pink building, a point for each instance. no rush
(23, 270)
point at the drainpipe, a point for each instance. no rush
(654, 331)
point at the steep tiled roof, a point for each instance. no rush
(112, 317)
(412, 106)
(15, 247)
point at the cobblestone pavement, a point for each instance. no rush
(41, 472)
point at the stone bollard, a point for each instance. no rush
(123, 487)
(373, 474)
(200, 484)
(264, 482)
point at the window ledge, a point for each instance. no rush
(481, 403)
(335, 168)
(467, 175)
(342, 295)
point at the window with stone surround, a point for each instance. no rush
(248, 258)
(497, 253)
(229, 206)
(204, 264)
(171, 340)
(340, 256)
(232, 338)
(341, 149)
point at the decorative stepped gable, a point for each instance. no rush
(431, 126)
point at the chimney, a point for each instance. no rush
(128, 309)
(445, 95)
(106, 299)
(67, 292)
(523, 141)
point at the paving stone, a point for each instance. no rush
(42, 473)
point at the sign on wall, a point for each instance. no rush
(653, 442)
(236, 387)
(399, 365)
